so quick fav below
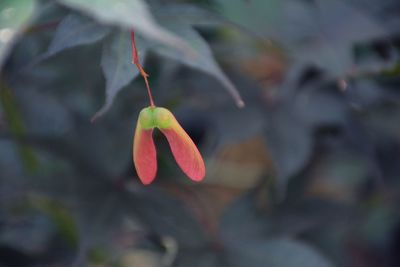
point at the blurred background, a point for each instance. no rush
(305, 175)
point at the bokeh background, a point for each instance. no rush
(306, 175)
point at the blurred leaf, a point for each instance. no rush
(218, 117)
(291, 125)
(44, 114)
(141, 258)
(290, 144)
(339, 176)
(261, 16)
(247, 218)
(320, 33)
(275, 253)
(190, 14)
(198, 258)
(76, 30)
(253, 237)
(35, 229)
(244, 220)
(337, 27)
(204, 61)
(382, 120)
(386, 11)
(14, 14)
(117, 65)
(16, 127)
(364, 93)
(320, 105)
(239, 125)
(380, 222)
(166, 216)
(61, 218)
(130, 14)
(10, 166)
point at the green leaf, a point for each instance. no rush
(204, 61)
(61, 217)
(118, 69)
(17, 128)
(76, 30)
(14, 15)
(130, 14)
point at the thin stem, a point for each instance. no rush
(135, 60)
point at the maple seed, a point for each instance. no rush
(183, 148)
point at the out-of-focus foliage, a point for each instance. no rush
(307, 174)
(14, 16)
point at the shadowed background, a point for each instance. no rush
(306, 175)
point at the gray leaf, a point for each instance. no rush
(321, 33)
(190, 14)
(130, 14)
(76, 30)
(290, 143)
(204, 61)
(117, 66)
(330, 45)
(261, 16)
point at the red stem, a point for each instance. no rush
(135, 60)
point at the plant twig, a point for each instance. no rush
(135, 60)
